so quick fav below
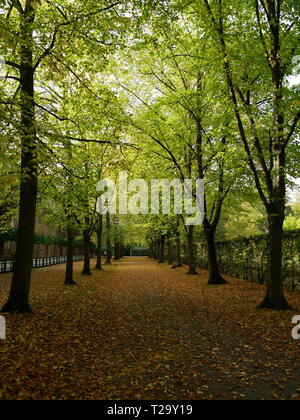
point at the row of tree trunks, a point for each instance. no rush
(157, 250)
(119, 251)
(118, 247)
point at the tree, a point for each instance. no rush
(18, 300)
(265, 110)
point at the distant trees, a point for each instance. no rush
(188, 125)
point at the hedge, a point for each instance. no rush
(247, 258)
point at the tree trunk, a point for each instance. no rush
(69, 281)
(99, 242)
(108, 240)
(121, 249)
(158, 249)
(170, 251)
(151, 253)
(87, 254)
(274, 298)
(214, 275)
(1, 250)
(191, 251)
(154, 250)
(162, 249)
(117, 251)
(178, 262)
(18, 300)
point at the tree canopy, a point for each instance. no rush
(177, 89)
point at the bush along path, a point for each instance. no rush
(139, 330)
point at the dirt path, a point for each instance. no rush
(140, 330)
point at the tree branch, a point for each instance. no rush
(263, 41)
(47, 50)
(293, 128)
(79, 139)
(87, 15)
(233, 98)
(12, 64)
(59, 161)
(257, 143)
(10, 78)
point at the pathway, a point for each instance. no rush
(139, 330)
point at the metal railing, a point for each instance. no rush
(8, 266)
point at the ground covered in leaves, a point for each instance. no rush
(139, 330)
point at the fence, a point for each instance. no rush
(8, 266)
(8, 250)
(247, 258)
